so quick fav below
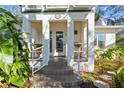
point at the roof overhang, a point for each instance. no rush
(58, 8)
(109, 27)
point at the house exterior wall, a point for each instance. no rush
(70, 18)
(110, 36)
(110, 39)
(79, 26)
(36, 28)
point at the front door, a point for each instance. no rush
(57, 43)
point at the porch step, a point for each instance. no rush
(50, 70)
(68, 80)
(58, 71)
(57, 64)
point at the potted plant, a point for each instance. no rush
(38, 50)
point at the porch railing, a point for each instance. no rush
(36, 59)
(80, 54)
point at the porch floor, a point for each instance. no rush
(57, 74)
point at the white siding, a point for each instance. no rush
(110, 39)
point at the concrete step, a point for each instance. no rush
(47, 70)
(44, 81)
(71, 81)
(57, 64)
(67, 81)
(58, 71)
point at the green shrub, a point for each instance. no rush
(14, 74)
(120, 77)
(111, 53)
(119, 40)
(12, 43)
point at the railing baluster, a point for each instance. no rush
(34, 61)
(80, 55)
(79, 60)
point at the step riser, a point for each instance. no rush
(57, 64)
(64, 72)
(58, 74)
(59, 71)
(71, 84)
(67, 84)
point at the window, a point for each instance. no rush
(100, 40)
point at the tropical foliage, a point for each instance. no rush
(15, 73)
(120, 40)
(120, 77)
(12, 43)
(111, 53)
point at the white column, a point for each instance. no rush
(46, 41)
(70, 40)
(85, 39)
(91, 41)
(26, 27)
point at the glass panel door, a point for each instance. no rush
(59, 42)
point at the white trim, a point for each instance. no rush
(108, 27)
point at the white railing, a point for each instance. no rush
(81, 54)
(57, 6)
(29, 7)
(32, 6)
(36, 59)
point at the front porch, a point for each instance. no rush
(60, 42)
(70, 35)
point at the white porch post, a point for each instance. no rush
(70, 40)
(46, 41)
(26, 27)
(91, 41)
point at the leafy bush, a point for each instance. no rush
(111, 53)
(14, 74)
(11, 42)
(120, 40)
(120, 77)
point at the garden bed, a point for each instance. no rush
(106, 68)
